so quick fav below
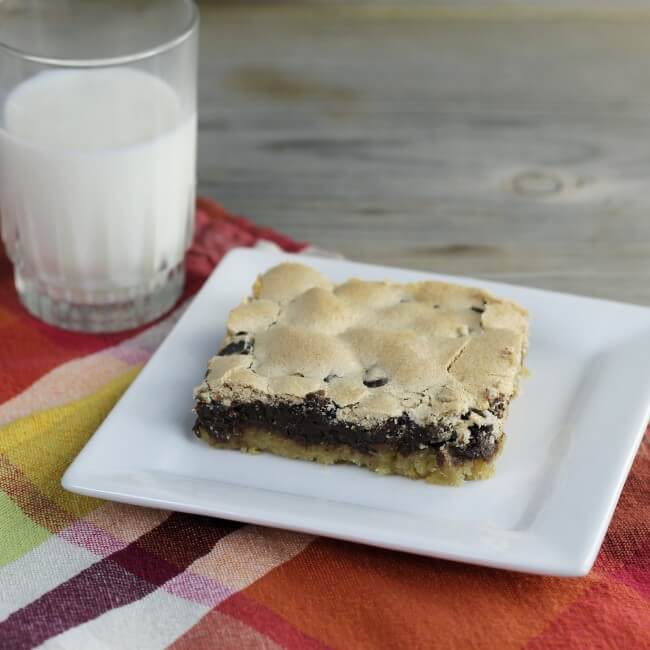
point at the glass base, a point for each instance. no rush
(112, 311)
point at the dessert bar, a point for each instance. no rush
(411, 379)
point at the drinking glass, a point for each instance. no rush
(98, 156)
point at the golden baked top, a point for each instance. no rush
(374, 349)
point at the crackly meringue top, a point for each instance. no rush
(374, 349)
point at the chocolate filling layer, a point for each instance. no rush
(314, 422)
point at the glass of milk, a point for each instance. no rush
(98, 156)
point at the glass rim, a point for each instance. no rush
(63, 62)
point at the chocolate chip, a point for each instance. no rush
(478, 310)
(482, 444)
(375, 383)
(330, 377)
(436, 306)
(375, 377)
(241, 333)
(498, 406)
(243, 346)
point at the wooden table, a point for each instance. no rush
(511, 144)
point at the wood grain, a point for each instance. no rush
(504, 145)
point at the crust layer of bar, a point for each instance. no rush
(422, 465)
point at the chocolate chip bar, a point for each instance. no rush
(410, 379)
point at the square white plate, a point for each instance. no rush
(572, 435)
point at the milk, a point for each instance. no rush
(97, 176)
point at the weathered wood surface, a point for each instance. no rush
(506, 145)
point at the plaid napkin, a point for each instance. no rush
(76, 572)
